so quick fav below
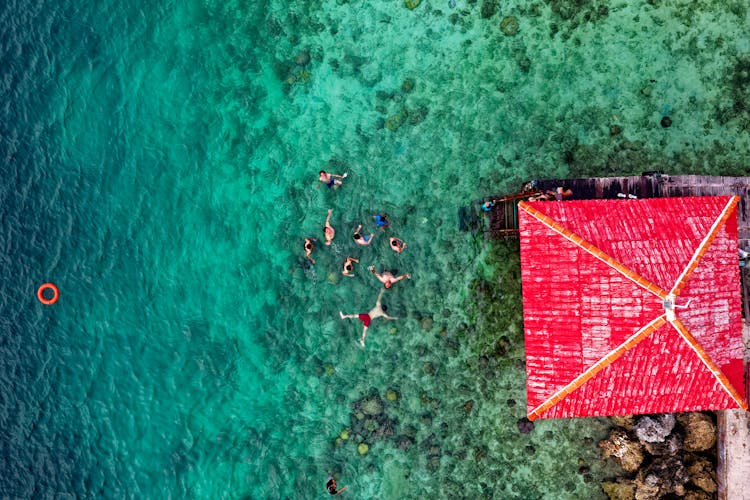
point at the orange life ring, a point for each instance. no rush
(55, 294)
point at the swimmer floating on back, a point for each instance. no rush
(309, 247)
(349, 266)
(397, 245)
(331, 180)
(361, 239)
(376, 312)
(328, 229)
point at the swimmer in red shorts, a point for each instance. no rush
(366, 318)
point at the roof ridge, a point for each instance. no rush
(593, 250)
(710, 364)
(603, 363)
(719, 223)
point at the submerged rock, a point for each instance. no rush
(383, 95)
(386, 429)
(509, 25)
(666, 122)
(418, 115)
(410, 431)
(391, 395)
(363, 448)
(524, 63)
(412, 4)
(426, 323)
(408, 85)
(404, 442)
(648, 88)
(488, 9)
(394, 122)
(368, 420)
(302, 58)
(501, 346)
(371, 405)
(525, 425)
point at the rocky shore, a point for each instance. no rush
(662, 456)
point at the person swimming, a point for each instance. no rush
(331, 180)
(387, 278)
(397, 245)
(349, 266)
(381, 220)
(487, 205)
(366, 318)
(309, 247)
(328, 229)
(332, 488)
(361, 239)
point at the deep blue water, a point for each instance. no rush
(159, 164)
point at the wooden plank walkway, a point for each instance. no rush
(642, 186)
(733, 445)
(733, 452)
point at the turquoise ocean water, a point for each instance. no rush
(159, 164)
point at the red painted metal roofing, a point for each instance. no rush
(594, 275)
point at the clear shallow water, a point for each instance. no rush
(159, 165)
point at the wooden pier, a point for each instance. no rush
(503, 218)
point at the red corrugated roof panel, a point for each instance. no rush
(599, 340)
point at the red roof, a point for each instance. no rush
(600, 338)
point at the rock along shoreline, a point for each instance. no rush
(662, 455)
